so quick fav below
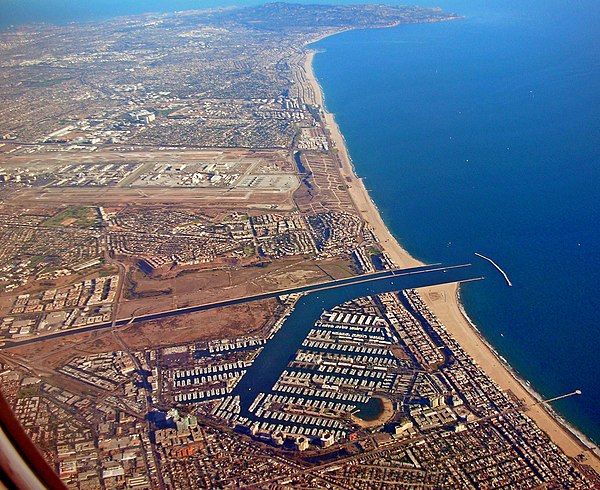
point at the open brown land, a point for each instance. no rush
(325, 189)
(231, 321)
(192, 287)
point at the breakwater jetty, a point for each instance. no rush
(496, 266)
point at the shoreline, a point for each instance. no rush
(444, 302)
(581, 438)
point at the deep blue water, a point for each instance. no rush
(476, 135)
(483, 134)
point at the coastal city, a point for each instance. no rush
(378, 392)
(196, 291)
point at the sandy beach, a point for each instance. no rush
(444, 301)
(387, 412)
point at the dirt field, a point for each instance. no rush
(206, 286)
(229, 322)
(220, 323)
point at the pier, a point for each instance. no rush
(550, 400)
(496, 266)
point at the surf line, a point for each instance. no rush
(496, 266)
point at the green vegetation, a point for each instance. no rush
(45, 83)
(108, 272)
(36, 259)
(131, 291)
(374, 251)
(165, 112)
(28, 391)
(79, 217)
(341, 269)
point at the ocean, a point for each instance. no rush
(483, 135)
(477, 135)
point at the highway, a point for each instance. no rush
(430, 275)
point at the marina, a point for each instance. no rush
(339, 353)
